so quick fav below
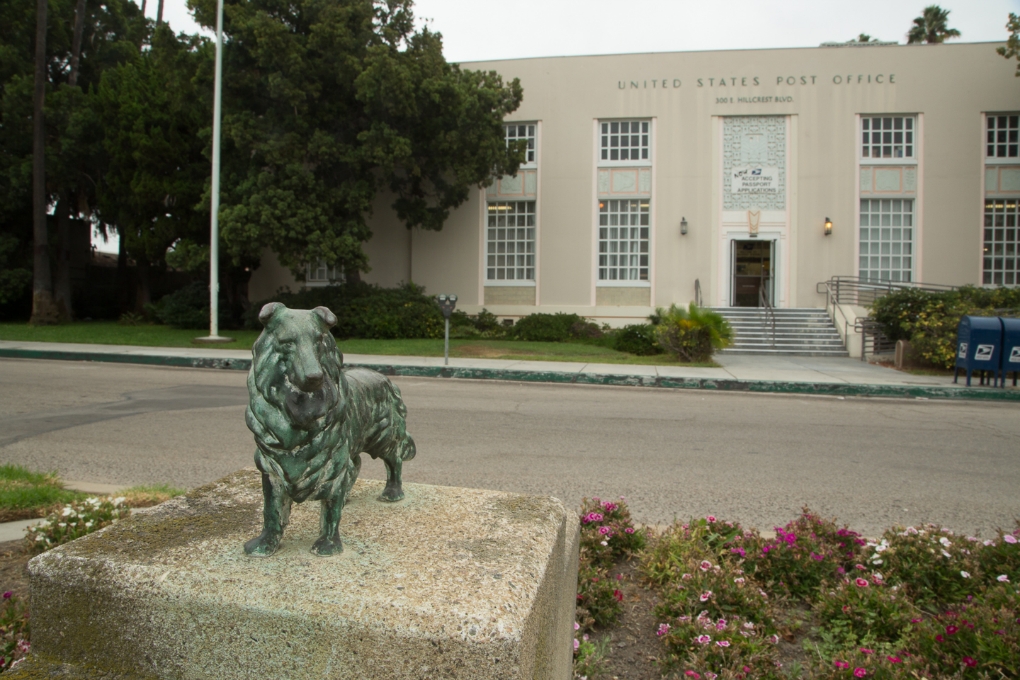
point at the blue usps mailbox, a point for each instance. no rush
(978, 346)
(1010, 348)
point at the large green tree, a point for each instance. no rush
(931, 26)
(153, 114)
(327, 103)
(110, 33)
(1012, 47)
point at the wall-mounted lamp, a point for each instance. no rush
(683, 226)
(828, 227)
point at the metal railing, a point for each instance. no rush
(769, 317)
(697, 292)
(872, 330)
(853, 290)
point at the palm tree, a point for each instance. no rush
(931, 27)
(865, 38)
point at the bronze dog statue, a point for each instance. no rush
(312, 419)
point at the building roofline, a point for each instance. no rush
(823, 46)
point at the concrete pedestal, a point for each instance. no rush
(449, 583)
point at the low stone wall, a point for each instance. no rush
(449, 583)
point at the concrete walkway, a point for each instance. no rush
(791, 374)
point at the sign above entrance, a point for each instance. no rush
(754, 180)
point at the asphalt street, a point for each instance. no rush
(752, 458)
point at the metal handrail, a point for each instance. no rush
(880, 343)
(769, 318)
(854, 290)
(697, 292)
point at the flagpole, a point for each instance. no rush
(214, 209)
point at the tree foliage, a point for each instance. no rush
(931, 26)
(1012, 47)
(329, 102)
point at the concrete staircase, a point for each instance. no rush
(807, 332)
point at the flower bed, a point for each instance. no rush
(816, 601)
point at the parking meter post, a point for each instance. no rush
(446, 304)
(446, 344)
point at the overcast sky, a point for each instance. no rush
(475, 30)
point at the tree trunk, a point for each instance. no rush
(143, 9)
(143, 293)
(44, 311)
(62, 280)
(159, 13)
(79, 29)
(122, 272)
(62, 276)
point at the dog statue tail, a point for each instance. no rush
(406, 448)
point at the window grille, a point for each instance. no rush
(522, 131)
(623, 240)
(887, 239)
(322, 273)
(1002, 242)
(1002, 140)
(625, 140)
(888, 137)
(510, 241)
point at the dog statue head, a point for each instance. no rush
(296, 363)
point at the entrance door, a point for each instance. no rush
(752, 265)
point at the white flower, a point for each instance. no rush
(911, 531)
(118, 501)
(945, 554)
(945, 542)
(62, 524)
(1002, 578)
(67, 511)
(605, 543)
(876, 561)
(988, 542)
(965, 574)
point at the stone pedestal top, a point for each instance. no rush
(448, 583)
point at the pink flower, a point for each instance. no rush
(577, 643)
(969, 662)
(1009, 538)
(609, 507)
(618, 595)
(860, 566)
(939, 638)
(915, 620)
(687, 577)
(841, 664)
(628, 530)
(951, 630)
(577, 626)
(723, 643)
(721, 625)
(692, 674)
(774, 639)
(8, 595)
(739, 551)
(894, 659)
(1002, 578)
(867, 651)
(705, 565)
(663, 629)
(604, 530)
(861, 582)
(703, 639)
(711, 519)
(860, 672)
(710, 675)
(706, 596)
(817, 558)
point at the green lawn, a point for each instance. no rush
(112, 333)
(26, 495)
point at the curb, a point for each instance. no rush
(558, 377)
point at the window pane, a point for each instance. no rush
(513, 240)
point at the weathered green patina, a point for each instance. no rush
(312, 420)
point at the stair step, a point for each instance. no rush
(797, 331)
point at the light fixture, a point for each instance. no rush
(683, 226)
(828, 227)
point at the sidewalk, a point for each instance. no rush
(778, 374)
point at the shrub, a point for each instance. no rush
(692, 334)
(14, 631)
(74, 521)
(929, 319)
(544, 327)
(187, 307)
(483, 325)
(599, 601)
(863, 610)
(589, 657)
(932, 564)
(636, 339)
(366, 311)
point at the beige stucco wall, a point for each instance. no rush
(950, 86)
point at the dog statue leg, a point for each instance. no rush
(329, 525)
(275, 514)
(394, 491)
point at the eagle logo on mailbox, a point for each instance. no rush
(963, 350)
(983, 352)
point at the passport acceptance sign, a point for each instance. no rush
(755, 180)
